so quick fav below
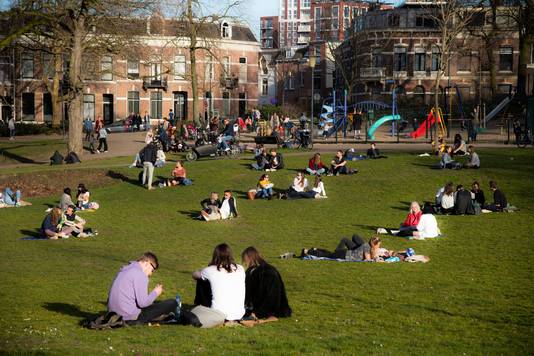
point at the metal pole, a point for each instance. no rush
(335, 114)
(312, 101)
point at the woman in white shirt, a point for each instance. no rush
(300, 187)
(447, 199)
(226, 281)
(318, 187)
(428, 225)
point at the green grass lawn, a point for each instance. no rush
(38, 151)
(474, 297)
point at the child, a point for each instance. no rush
(265, 188)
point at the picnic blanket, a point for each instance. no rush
(21, 203)
(414, 258)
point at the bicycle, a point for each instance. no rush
(522, 139)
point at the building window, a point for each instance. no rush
(317, 20)
(393, 20)
(302, 79)
(226, 104)
(47, 107)
(426, 22)
(28, 106)
(5, 69)
(436, 60)
(155, 71)
(133, 102)
(106, 68)
(242, 69)
(506, 59)
(376, 58)
(399, 60)
(464, 63)
(208, 70)
(305, 3)
(226, 30)
(133, 69)
(264, 87)
(155, 105)
(335, 17)
(89, 106)
(47, 62)
(317, 82)
(226, 66)
(179, 67)
(27, 65)
(419, 60)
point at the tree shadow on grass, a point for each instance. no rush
(122, 177)
(71, 310)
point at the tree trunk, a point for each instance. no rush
(76, 90)
(55, 92)
(194, 82)
(525, 44)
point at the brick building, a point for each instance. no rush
(115, 86)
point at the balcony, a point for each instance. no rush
(229, 82)
(400, 74)
(373, 72)
(303, 40)
(304, 28)
(151, 83)
(419, 74)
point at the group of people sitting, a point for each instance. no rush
(460, 201)
(83, 197)
(225, 292)
(300, 189)
(447, 160)
(269, 162)
(357, 250)
(419, 224)
(338, 165)
(215, 209)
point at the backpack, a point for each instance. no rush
(72, 158)
(57, 158)
(110, 320)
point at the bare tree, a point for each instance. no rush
(83, 29)
(451, 18)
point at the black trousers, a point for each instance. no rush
(104, 142)
(203, 294)
(340, 170)
(156, 310)
(353, 244)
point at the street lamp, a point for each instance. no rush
(312, 63)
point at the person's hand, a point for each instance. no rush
(158, 289)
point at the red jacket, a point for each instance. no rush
(311, 164)
(412, 219)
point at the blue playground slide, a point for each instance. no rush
(379, 122)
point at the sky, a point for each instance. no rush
(254, 9)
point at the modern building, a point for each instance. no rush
(295, 23)
(155, 83)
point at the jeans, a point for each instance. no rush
(102, 142)
(148, 167)
(339, 170)
(156, 311)
(264, 193)
(224, 142)
(10, 198)
(317, 172)
(11, 133)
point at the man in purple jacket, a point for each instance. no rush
(128, 295)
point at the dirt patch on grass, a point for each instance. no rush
(52, 183)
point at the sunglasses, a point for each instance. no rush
(153, 267)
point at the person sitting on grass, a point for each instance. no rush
(129, 297)
(463, 204)
(499, 199)
(210, 205)
(339, 165)
(474, 160)
(447, 161)
(318, 187)
(51, 228)
(315, 165)
(66, 200)
(299, 189)
(83, 197)
(477, 194)
(75, 222)
(179, 176)
(265, 297)
(460, 148)
(428, 225)
(447, 199)
(221, 285)
(226, 209)
(276, 161)
(265, 188)
(373, 152)
(409, 225)
(262, 161)
(356, 250)
(10, 198)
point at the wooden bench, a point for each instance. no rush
(268, 140)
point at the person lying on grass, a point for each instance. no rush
(355, 250)
(10, 198)
(299, 189)
(52, 226)
(179, 176)
(214, 209)
(129, 297)
(221, 285)
(409, 225)
(265, 298)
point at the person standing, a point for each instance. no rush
(102, 140)
(357, 124)
(88, 128)
(129, 297)
(146, 119)
(11, 127)
(99, 123)
(148, 156)
(171, 118)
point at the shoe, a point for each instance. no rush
(381, 230)
(287, 255)
(105, 151)
(329, 175)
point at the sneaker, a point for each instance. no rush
(329, 175)
(381, 230)
(287, 255)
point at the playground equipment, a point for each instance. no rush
(497, 110)
(434, 117)
(394, 118)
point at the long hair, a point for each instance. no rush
(81, 189)
(374, 242)
(254, 257)
(55, 215)
(223, 258)
(317, 158)
(449, 189)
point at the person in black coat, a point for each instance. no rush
(265, 297)
(463, 204)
